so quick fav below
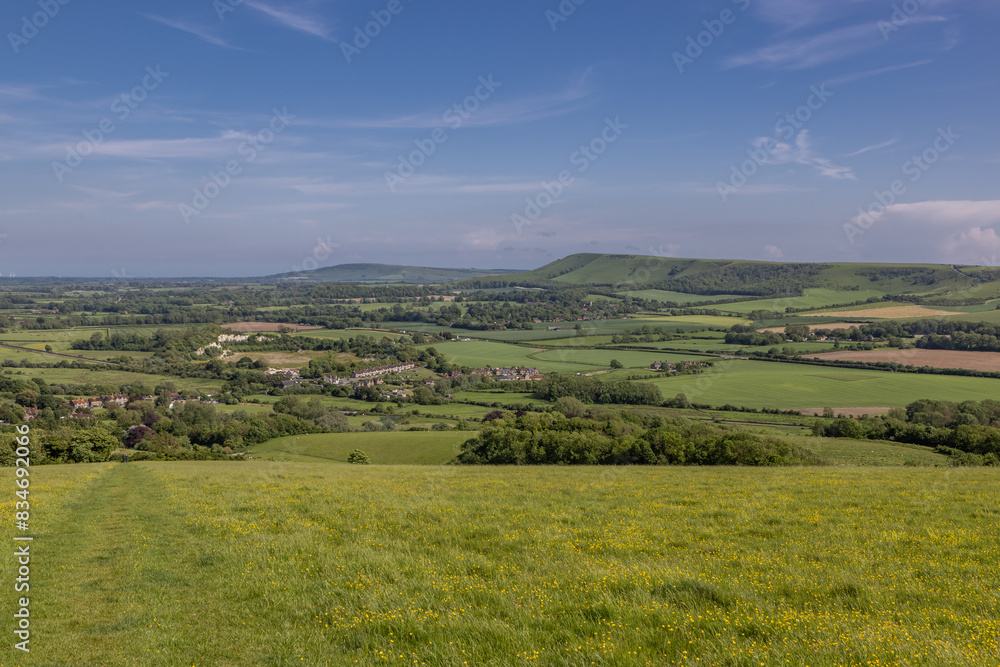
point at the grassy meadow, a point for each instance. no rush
(222, 564)
(762, 384)
(392, 448)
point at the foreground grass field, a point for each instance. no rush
(315, 564)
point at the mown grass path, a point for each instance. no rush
(118, 575)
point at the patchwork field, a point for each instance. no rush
(339, 565)
(889, 313)
(812, 298)
(397, 447)
(977, 361)
(798, 386)
(248, 327)
(665, 296)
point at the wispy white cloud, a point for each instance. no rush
(198, 31)
(773, 252)
(796, 14)
(821, 48)
(857, 76)
(945, 213)
(748, 189)
(149, 149)
(21, 92)
(806, 52)
(801, 152)
(291, 18)
(490, 113)
(866, 149)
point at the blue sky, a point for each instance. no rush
(229, 138)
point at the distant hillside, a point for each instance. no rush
(926, 282)
(387, 273)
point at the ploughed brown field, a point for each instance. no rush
(976, 361)
(247, 327)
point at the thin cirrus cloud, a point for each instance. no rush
(150, 149)
(806, 52)
(820, 49)
(290, 18)
(802, 152)
(523, 110)
(875, 147)
(198, 31)
(858, 76)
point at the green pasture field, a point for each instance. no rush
(687, 323)
(394, 447)
(760, 384)
(482, 354)
(812, 298)
(665, 296)
(602, 358)
(990, 316)
(494, 396)
(344, 334)
(98, 375)
(870, 452)
(257, 563)
(579, 341)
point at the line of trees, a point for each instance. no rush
(621, 438)
(971, 427)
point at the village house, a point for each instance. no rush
(515, 374)
(383, 370)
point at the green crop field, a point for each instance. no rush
(761, 384)
(241, 564)
(395, 447)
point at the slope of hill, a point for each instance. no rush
(387, 273)
(751, 278)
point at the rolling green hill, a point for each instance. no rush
(941, 283)
(387, 273)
